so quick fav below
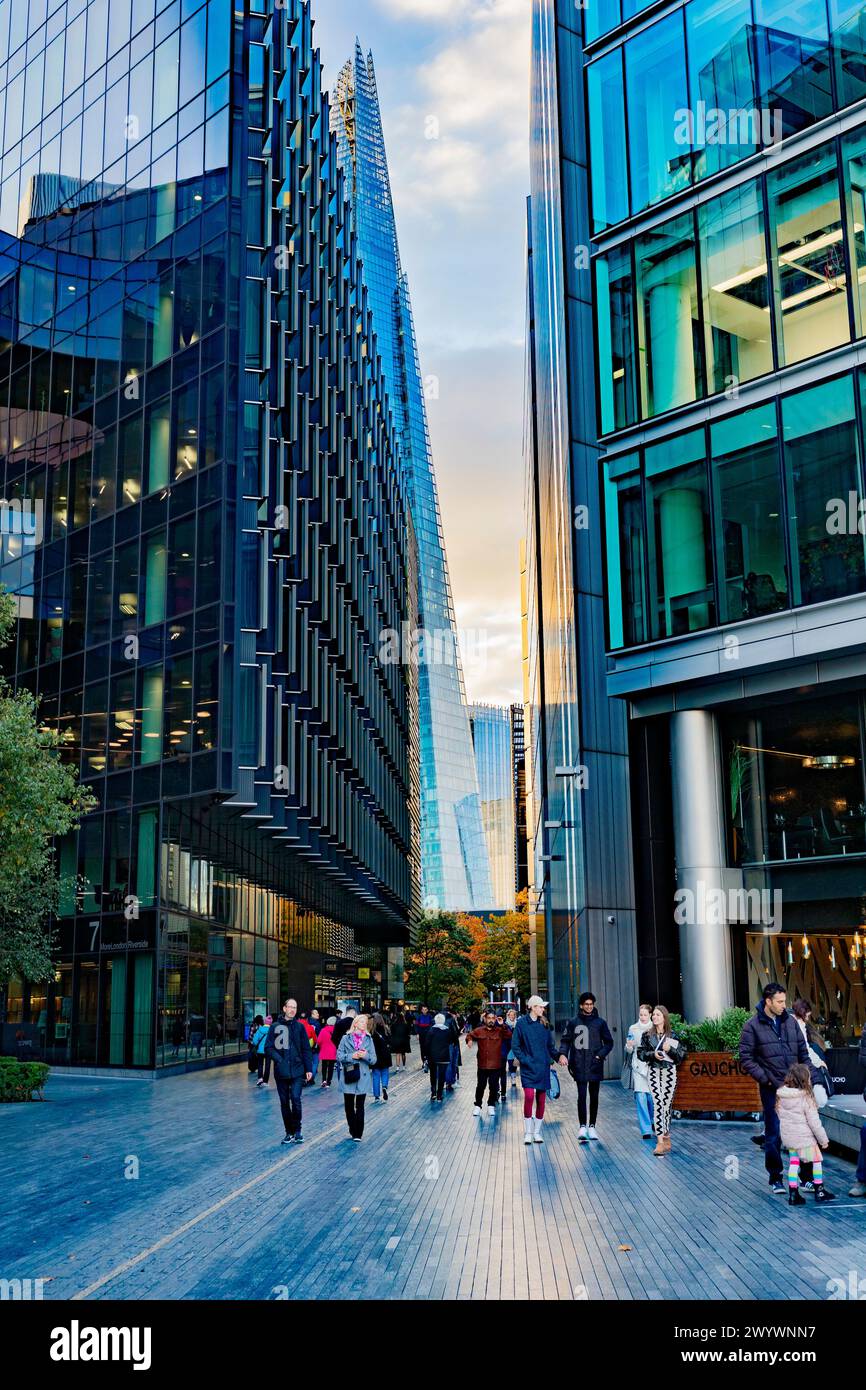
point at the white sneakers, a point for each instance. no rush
(476, 1110)
(592, 1132)
(581, 1135)
(527, 1131)
(585, 1133)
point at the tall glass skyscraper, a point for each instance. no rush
(455, 870)
(494, 758)
(191, 403)
(697, 258)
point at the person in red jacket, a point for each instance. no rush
(489, 1036)
(327, 1052)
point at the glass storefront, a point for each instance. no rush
(828, 968)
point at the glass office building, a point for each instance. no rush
(494, 757)
(455, 871)
(719, 163)
(191, 404)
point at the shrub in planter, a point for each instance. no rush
(712, 1034)
(18, 1080)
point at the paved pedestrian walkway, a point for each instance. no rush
(180, 1189)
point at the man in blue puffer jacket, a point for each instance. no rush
(771, 1043)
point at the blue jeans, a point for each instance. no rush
(772, 1134)
(644, 1102)
(315, 1064)
(381, 1077)
(861, 1162)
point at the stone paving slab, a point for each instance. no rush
(434, 1204)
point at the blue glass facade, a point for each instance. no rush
(190, 400)
(495, 759)
(710, 167)
(455, 869)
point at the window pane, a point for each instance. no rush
(735, 287)
(607, 136)
(793, 61)
(668, 327)
(822, 469)
(616, 368)
(808, 256)
(600, 17)
(721, 78)
(750, 541)
(854, 175)
(678, 539)
(848, 37)
(625, 552)
(659, 149)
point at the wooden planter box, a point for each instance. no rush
(715, 1081)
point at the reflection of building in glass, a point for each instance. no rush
(729, 421)
(188, 387)
(495, 759)
(453, 852)
(518, 756)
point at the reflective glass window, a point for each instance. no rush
(822, 468)
(616, 346)
(679, 541)
(749, 526)
(793, 62)
(808, 255)
(625, 552)
(607, 137)
(721, 83)
(735, 287)
(668, 325)
(854, 177)
(658, 128)
(848, 42)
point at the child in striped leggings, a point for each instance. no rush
(803, 1135)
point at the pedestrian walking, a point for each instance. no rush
(263, 1062)
(509, 1068)
(859, 1188)
(423, 1023)
(311, 1037)
(488, 1038)
(586, 1041)
(663, 1052)
(770, 1044)
(643, 1098)
(440, 1040)
(327, 1052)
(534, 1048)
(452, 1071)
(401, 1044)
(802, 1133)
(357, 1057)
(382, 1069)
(288, 1047)
(341, 1028)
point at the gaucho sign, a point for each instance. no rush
(715, 1081)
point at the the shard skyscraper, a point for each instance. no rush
(455, 865)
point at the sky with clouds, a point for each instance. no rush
(453, 79)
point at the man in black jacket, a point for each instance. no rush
(859, 1188)
(288, 1047)
(771, 1043)
(586, 1041)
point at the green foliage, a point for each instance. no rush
(439, 964)
(712, 1034)
(500, 951)
(39, 799)
(18, 1080)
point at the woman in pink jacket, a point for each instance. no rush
(803, 1135)
(327, 1052)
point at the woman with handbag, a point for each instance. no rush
(636, 1073)
(534, 1047)
(663, 1053)
(357, 1057)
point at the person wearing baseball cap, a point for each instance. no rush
(534, 1047)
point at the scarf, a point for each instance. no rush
(358, 1040)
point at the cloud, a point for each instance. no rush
(422, 9)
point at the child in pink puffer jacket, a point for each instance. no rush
(803, 1135)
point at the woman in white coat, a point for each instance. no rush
(640, 1073)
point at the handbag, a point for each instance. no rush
(351, 1073)
(554, 1090)
(626, 1079)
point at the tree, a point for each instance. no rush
(500, 950)
(439, 963)
(39, 799)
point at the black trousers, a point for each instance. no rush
(582, 1087)
(489, 1077)
(437, 1078)
(289, 1090)
(327, 1072)
(263, 1067)
(354, 1106)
